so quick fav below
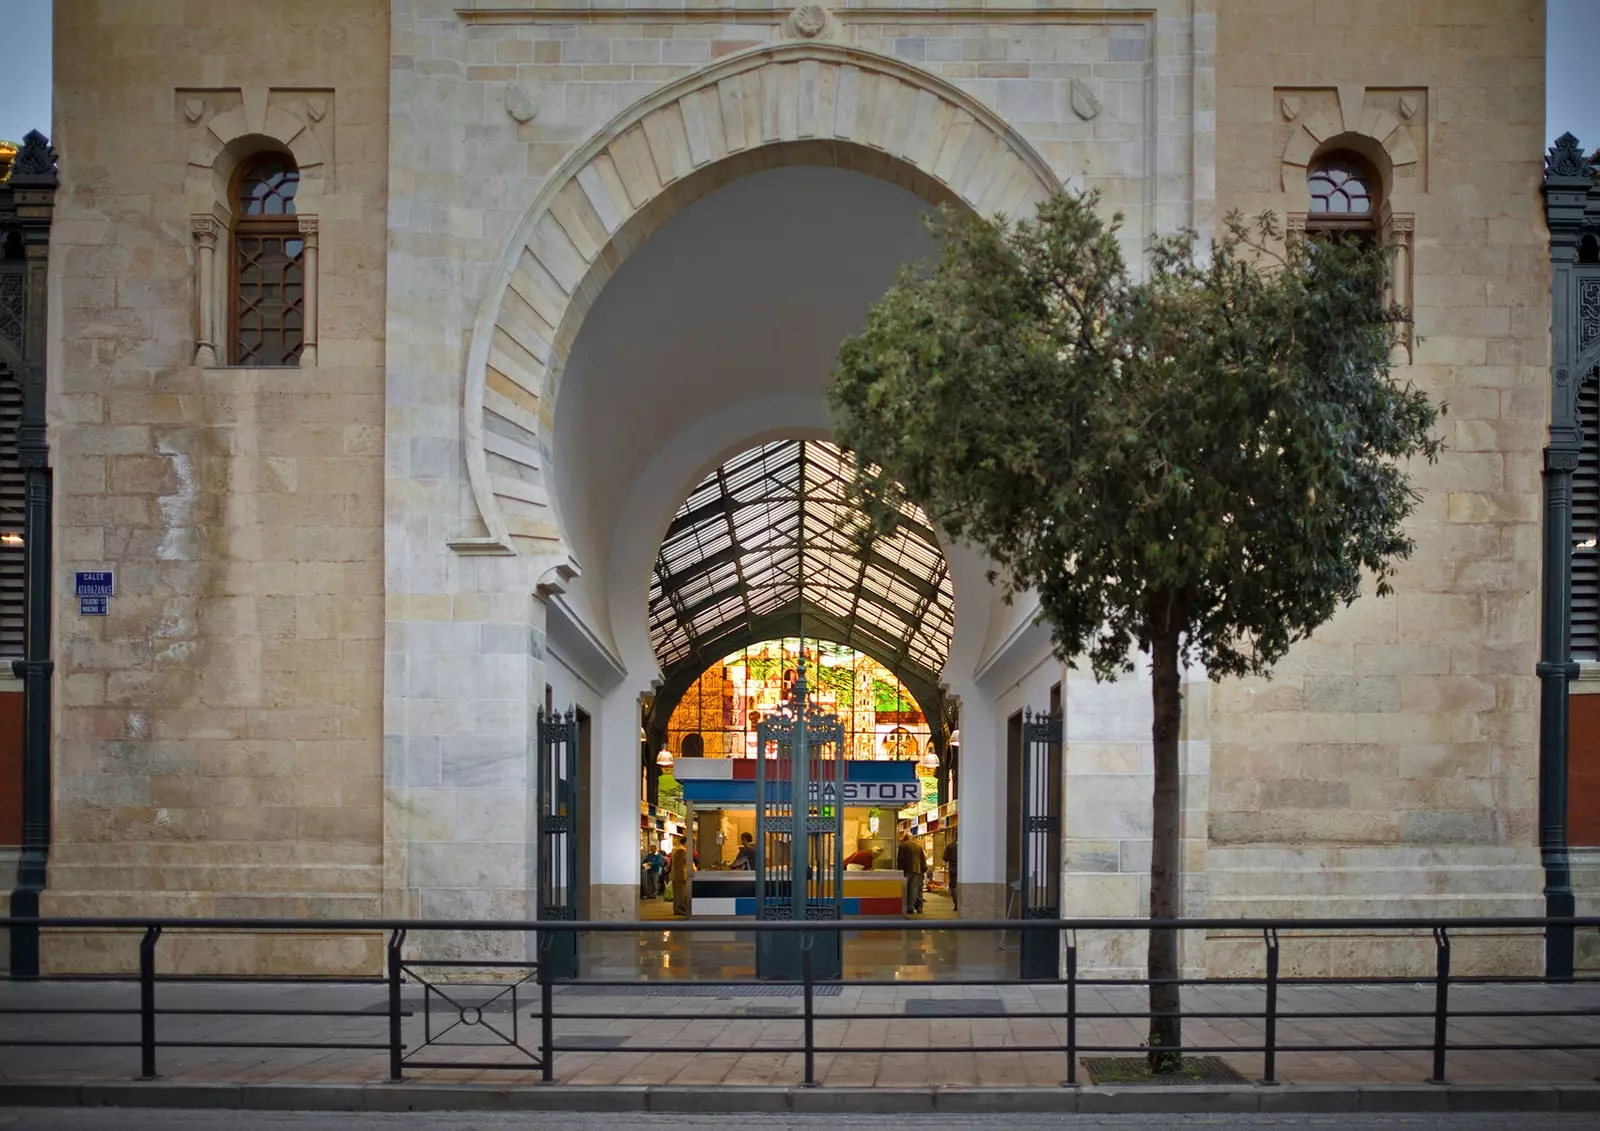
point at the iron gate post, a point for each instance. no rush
(781, 954)
(558, 836)
(1040, 958)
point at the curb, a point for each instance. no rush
(1389, 1098)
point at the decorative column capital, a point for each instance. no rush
(204, 227)
(308, 226)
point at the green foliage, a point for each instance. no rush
(1214, 453)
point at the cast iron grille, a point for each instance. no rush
(1586, 525)
(12, 486)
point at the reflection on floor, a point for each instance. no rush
(908, 956)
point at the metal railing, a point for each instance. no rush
(541, 1056)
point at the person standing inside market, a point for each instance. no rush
(913, 863)
(680, 881)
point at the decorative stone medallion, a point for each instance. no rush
(1290, 107)
(193, 109)
(518, 104)
(808, 21)
(1084, 102)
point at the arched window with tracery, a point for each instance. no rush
(266, 307)
(1344, 195)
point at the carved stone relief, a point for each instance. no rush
(518, 104)
(808, 21)
(1084, 102)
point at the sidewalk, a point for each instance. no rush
(1008, 1016)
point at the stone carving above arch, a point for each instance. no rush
(1383, 125)
(808, 21)
(804, 102)
(221, 128)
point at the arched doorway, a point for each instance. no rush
(766, 570)
(577, 457)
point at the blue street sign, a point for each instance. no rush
(95, 583)
(92, 606)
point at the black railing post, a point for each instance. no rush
(810, 1080)
(147, 1003)
(1441, 1002)
(1072, 1009)
(1269, 1051)
(397, 939)
(547, 1025)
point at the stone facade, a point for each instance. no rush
(218, 734)
(344, 588)
(1390, 766)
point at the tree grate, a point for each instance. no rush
(1136, 1070)
(963, 1007)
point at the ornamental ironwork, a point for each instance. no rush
(1588, 312)
(1566, 158)
(35, 158)
(11, 310)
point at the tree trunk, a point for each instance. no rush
(1166, 867)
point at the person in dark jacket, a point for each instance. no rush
(950, 869)
(745, 859)
(913, 862)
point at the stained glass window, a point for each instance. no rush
(719, 713)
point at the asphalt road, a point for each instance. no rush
(122, 1119)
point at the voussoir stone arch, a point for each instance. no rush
(1371, 130)
(788, 104)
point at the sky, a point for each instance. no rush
(1573, 28)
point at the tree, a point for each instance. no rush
(1201, 465)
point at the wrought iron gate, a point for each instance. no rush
(799, 837)
(559, 831)
(1041, 842)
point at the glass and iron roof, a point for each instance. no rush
(771, 534)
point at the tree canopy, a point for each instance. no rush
(1202, 463)
(1218, 446)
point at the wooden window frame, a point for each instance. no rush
(286, 226)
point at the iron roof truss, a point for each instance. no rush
(771, 534)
